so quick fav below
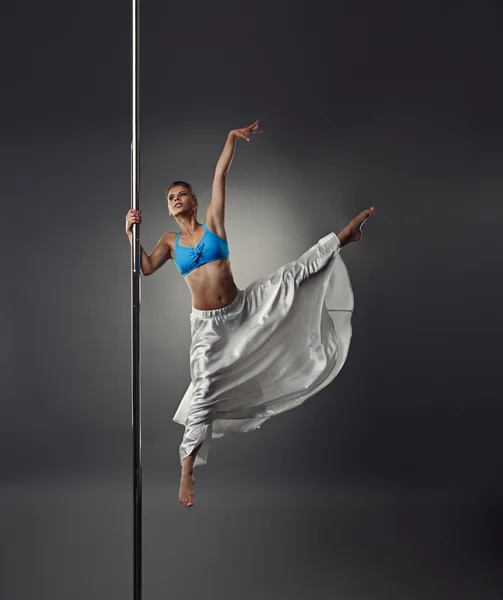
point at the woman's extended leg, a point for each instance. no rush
(314, 259)
(187, 480)
(352, 231)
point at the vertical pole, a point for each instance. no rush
(135, 313)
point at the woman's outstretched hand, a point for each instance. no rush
(246, 131)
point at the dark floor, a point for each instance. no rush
(73, 541)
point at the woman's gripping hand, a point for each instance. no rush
(132, 217)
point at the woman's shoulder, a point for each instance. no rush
(170, 238)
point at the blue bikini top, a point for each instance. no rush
(211, 247)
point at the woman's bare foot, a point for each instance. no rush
(186, 495)
(352, 232)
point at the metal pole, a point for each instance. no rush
(135, 312)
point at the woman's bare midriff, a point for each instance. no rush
(212, 285)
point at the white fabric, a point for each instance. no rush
(283, 339)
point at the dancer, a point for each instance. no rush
(255, 352)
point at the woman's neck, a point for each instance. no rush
(188, 225)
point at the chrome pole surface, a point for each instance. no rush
(135, 308)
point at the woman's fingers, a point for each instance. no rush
(251, 127)
(246, 131)
(134, 216)
(254, 129)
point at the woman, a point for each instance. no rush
(254, 352)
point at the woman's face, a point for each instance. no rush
(180, 201)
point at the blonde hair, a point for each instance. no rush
(185, 184)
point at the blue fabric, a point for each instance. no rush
(211, 247)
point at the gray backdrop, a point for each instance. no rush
(385, 485)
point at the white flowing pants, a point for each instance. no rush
(283, 339)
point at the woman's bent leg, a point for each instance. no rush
(198, 430)
(187, 480)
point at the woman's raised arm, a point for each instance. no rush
(215, 215)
